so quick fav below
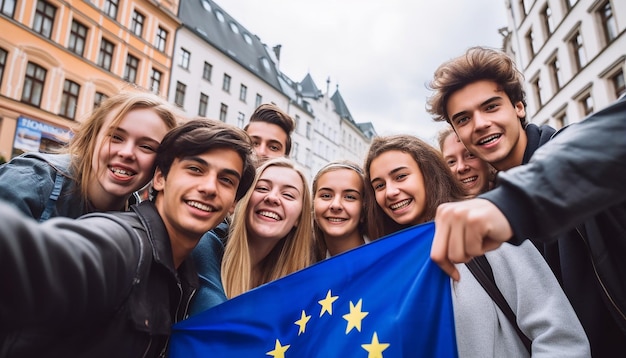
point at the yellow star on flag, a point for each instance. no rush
(355, 316)
(375, 349)
(327, 303)
(304, 319)
(279, 350)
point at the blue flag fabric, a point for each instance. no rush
(383, 299)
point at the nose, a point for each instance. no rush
(208, 186)
(335, 204)
(461, 166)
(127, 150)
(261, 150)
(271, 198)
(481, 120)
(391, 190)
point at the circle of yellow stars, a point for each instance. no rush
(354, 318)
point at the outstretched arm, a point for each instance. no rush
(63, 269)
(573, 177)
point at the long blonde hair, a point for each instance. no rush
(291, 253)
(83, 145)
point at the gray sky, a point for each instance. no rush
(380, 53)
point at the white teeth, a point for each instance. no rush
(270, 215)
(200, 206)
(336, 220)
(489, 139)
(469, 180)
(401, 204)
(119, 171)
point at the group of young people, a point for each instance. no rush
(228, 212)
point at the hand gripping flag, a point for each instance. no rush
(382, 299)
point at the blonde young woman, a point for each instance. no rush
(339, 215)
(270, 235)
(475, 175)
(110, 156)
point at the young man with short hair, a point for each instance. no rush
(112, 284)
(480, 93)
(270, 129)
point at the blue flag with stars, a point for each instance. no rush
(382, 299)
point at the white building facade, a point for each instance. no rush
(222, 71)
(572, 53)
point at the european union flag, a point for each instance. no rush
(383, 299)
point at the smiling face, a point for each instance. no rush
(275, 204)
(399, 188)
(488, 124)
(124, 158)
(198, 192)
(269, 140)
(338, 203)
(472, 172)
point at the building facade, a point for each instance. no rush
(572, 53)
(223, 71)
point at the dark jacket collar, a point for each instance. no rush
(536, 136)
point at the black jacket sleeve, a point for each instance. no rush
(64, 270)
(579, 173)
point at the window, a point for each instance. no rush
(204, 104)
(619, 86)
(555, 73)
(44, 18)
(577, 51)
(226, 83)
(530, 43)
(105, 58)
(179, 97)
(161, 39)
(185, 56)
(69, 99)
(207, 71)
(569, 4)
(297, 124)
(308, 130)
(136, 25)
(586, 103)
(8, 7)
(130, 71)
(78, 38)
(34, 81)
(3, 61)
(240, 119)
(522, 9)
(223, 112)
(294, 151)
(99, 98)
(243, 92)
(548, 21)
(609, 25)
(259, 100)
(155, 81)
(561, 120)
(110, 7)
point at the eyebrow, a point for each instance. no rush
(484, 103)
(284, 186)
(124, 131)
(393, 171)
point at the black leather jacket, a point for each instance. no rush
(103, 285)
(571, 196)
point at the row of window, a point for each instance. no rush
(605, 18)
(184, 61)
(34, 83)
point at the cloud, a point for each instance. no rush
(380, 54)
